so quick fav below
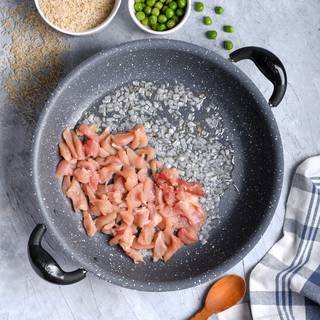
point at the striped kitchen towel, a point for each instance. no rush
(285, 285)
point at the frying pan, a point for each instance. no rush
(253, 133)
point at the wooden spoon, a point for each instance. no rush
(225, 293)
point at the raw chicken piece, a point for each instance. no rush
(136, 160)
(191, 187)
(88, 131)
(140, 137)
(159, 197)
(115, 197)
(104, 206)
(169, 195)
(66, 182)
(91, 148)
(146, 235)
(138, 246)
(129, 173)
(107, 229)
(118, 185)
(141, 217)
(89, 164)
(77, 196)
(146, 152)
(123, 157)
(174, 245)
(82, 175)
(101, 191)
(126, 217)
(103, 153)
(106, 145)
(89, 192)
(155, 165)
(106, 173)
(187, 210)
(134, 197)
(143, 175)
(89, 224)
(78, 146)
(67, 136)
(156, 220)
(103, 162)
(160, 247)
(122, 139)
(134, 255)
(124, 236)
(188, 235)
(148, 191)
(104, 220)
(167, 176)
(64, 151)
(105, 133)
(94, 180)
(66, 168)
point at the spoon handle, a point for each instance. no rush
(203, 314)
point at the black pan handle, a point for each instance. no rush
(44, 265)
(270, 65)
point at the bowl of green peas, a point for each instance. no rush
(159, 16)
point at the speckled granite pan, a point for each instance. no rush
(252, 129)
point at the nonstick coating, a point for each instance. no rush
(252, 131)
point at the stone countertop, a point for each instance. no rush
(289, 29)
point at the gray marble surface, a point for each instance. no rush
(291, 29)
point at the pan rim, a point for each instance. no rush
(252, 240)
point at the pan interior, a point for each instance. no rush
(252, 132)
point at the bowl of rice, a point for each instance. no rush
(77, 17)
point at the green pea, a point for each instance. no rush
(154, 27)
(164, 8)
(162, 18)
(161, 27)
(158, 5)
(228, 45)
(140, 15)
(171, 23)
(212, 34)
(182, 3)
(168, 1)
(169, 13)
(228, 29)
(140, 1)
(173, 5)
(199, 6)
(145, 21)
(151, 3)
(207, 21)
(147, 10)
(175, 19)
(180, 12)
(155, 12)
(162, 1)
(218, 10)
(152, 20)
(138, 6)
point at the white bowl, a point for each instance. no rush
(82, 33)
(149, 30)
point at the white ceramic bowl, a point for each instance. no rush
(82, 33)
(149, 30)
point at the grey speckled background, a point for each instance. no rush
(289, 29)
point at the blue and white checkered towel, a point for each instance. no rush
(285, 285)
